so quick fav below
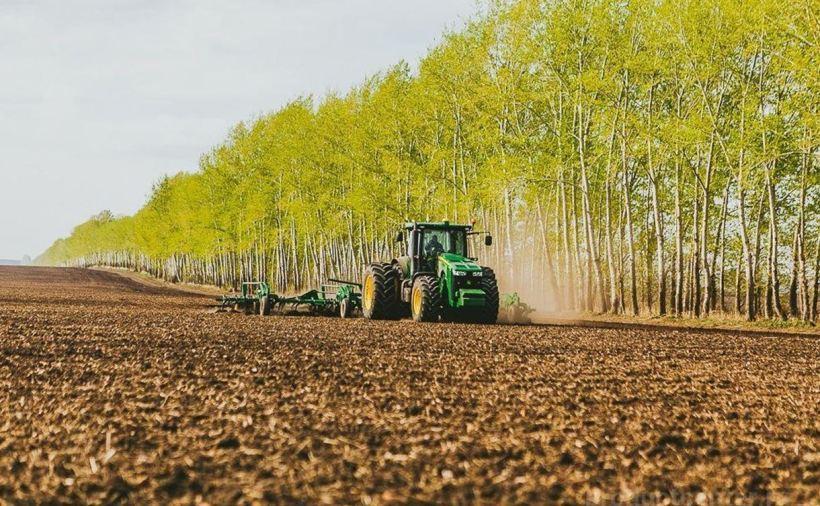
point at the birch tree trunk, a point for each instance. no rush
(774, 276)
(592, 249)
(658, 218)
(630, 233)
(678, 288)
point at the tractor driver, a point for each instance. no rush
(432, 249)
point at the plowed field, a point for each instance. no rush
(116, 391)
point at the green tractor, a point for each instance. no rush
(436, 279)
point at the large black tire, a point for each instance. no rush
(264, 305)
(380, 292)
(425, 299)
(489, 313)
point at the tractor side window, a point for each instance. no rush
(457, 243)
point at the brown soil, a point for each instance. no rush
(146, 279)
(114, 390)
(718, 324)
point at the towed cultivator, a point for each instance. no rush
(337, 297)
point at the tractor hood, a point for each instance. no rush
(458, 263)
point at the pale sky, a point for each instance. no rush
(100, 98)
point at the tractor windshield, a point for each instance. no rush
(445, 241)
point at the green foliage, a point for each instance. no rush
(537, 103)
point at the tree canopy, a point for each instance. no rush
(647, 156)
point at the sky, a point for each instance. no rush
(101, 98)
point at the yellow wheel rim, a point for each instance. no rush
(368, 293)
(417, 297)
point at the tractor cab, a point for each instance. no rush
(427, 242)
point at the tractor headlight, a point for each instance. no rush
(459, 273)
(478, 274)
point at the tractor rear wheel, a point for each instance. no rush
(380, 292)
(425, 299)
(489, 313)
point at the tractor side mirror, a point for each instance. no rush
(400, 237)
(488, 240)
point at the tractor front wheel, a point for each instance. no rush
(489, 313)
(380, 292)
(344, 308)
(425, 299)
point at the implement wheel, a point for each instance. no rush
(380, 292)
(264, 305)
(425, 299)
(344, 308)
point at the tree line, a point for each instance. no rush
(637, 157)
